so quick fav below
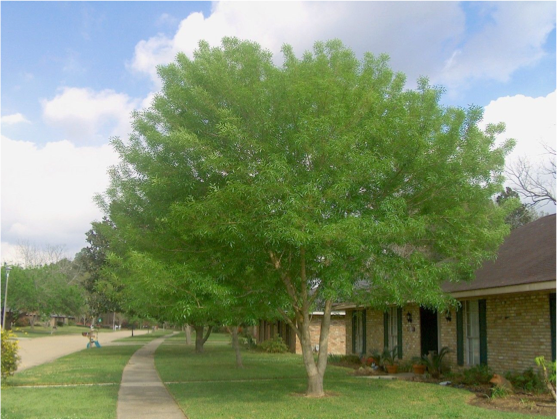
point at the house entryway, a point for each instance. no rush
(429, 331)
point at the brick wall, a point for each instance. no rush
(518, 331)
(337, 334)
(375, 339)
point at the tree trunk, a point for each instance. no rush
(316, 371)
(188, 334)
(236, 346)
(199, 338)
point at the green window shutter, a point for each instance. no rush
(353, 332)
(460, 336)
(482, 308)
(399, 331)
(552, 321)
(364, 332)
(386, 330)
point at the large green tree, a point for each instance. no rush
(302, 180)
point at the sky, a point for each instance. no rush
(72, 73)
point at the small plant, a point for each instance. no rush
(10, 358)
(389, 357)
(274, 345)
(548, 370)
(499, 392)
(434, 362)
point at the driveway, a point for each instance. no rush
(36, 351)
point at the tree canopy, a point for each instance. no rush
(301, 180)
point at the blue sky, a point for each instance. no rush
(72, 72)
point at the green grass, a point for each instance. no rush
(95, 365)
(40, 331)
(66, 398)
(98, 402)
(272, 386)
(145, 338)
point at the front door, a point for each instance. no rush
(428, 328)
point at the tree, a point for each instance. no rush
(535, 184)
(45, 290)
(522, 215)
(91, 260)
(302, 180)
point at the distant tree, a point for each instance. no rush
(91, 260)
(522, 215)
(44, 290)
(296, 182)
(536, 184)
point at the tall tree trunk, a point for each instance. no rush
(316, 371)
(188, 334)
(236, 345)
(199, 338)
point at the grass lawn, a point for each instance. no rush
(272, 386)
(98, 366)
(40, 331)
(144, 338)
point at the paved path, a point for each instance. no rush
(142, 394)
(36, 351)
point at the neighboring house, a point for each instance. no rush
(506, 318)
(337, 333)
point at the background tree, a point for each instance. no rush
(536, 184)
(521, 215)
(91, 260)
(44, 290)
(300, 181)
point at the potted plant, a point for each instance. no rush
(418, 365)
(389, 358)
(434, 362)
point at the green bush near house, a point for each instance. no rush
(528, 381)
(273, 345)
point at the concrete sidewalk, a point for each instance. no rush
(142, 394)
(36, 351)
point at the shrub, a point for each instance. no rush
(10, 358)
(274, 345)
(246, 340)
(351, 359)
(435, 363)
(22, 322)
(528, 381)
(477, 375)
(60, 323)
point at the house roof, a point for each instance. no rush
(526, 257)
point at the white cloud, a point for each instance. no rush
(422, 38)
(512, 36)
(530, 121)
(88, 116)
(47, 193)
(415, 35)
(14, 119)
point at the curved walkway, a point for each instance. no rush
(36, 351)
(142, 394)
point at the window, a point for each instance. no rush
(393, 328)
(359, 332)
(472, 331)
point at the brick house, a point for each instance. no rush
(337, 333)
(505, 320)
